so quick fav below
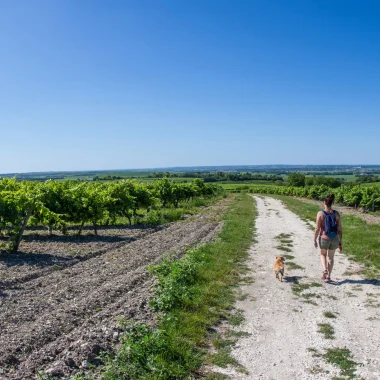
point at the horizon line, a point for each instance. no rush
(192, 166)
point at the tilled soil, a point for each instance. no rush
(57, 316)
(40, 253)
(282, 319)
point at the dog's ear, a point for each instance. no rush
(283, 259)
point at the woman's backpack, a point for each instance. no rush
(330, 226)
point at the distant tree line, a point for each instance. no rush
(300, 180)
(367, 178)
(219, 176)
(107, 178)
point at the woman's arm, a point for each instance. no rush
(317, 229)
(340, 230)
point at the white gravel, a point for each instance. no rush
(282, 326)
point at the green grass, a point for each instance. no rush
(223, 358)
(283, 237)
(341, 357)
(361, 240)
(310, 295)
(285, 243)
(310, 302)
(283, 248)
(235, 319)
(189, 304)
(298, 288)
(243, 186)
(237, 334)
(215, 376)
(289, 257)
(293, 266)
(314, 352)
(329, 314)
(327, 330)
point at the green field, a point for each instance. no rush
(346, 177)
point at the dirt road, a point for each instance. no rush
(57, 314)
(283, 318)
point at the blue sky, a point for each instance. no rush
(150, 83)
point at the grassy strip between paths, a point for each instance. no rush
(192, 294)
(361, 240)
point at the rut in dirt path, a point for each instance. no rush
(283, 319)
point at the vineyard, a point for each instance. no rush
(59, 205)
(367, 197)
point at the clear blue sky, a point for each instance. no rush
(130, 84)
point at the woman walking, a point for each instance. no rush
(328, 230)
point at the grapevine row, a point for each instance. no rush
(57, 204)
(367, 197)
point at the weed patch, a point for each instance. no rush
(237, 334)
(310, 302)
(236, 319)
(293, 266)
(314, 352)
(327, 330)
(215, 376)
(283, 248)
(298, 288)
(289, 257)
(283, 236)
(342, 358)
(329, 314)
(310, 295)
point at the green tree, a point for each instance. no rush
(296, 179)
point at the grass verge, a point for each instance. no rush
(361, 240)
(192, 294)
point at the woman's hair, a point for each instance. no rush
(329, 200)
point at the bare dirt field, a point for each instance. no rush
(291, 325)
(61, 297)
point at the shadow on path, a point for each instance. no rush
(356, 282)
(292, 279)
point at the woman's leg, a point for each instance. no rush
(330, 260)
(323, 259)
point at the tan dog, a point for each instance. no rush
(279, 267)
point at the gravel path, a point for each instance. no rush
(283, 326)
(58, 320)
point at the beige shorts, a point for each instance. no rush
(329, 244)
